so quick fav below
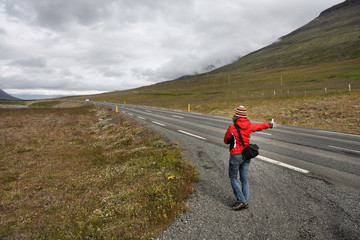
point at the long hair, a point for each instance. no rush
(235, 118)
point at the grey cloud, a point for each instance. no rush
(17, 9)
(56, 14)
(66, 72)
(14, 81)
(6, 52)
(174, 68)
(112, 73)
(35, 62)
(43, 82)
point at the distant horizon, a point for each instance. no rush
(28, 97)
(38, 94)
(36, 97)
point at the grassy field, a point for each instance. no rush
(86, 173)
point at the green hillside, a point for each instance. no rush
(318, 61)
(333, 36)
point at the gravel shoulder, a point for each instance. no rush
(283, 204)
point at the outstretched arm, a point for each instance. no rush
(260, 126)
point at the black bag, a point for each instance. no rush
(251, 151)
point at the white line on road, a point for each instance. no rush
(224, 118)
(141, 118)
(177, 116)
(196, 113)
(130, 114)
(264, 133)
(190, 134)
(282, 164)
(346, 149)
(158, 123)
(346, 134)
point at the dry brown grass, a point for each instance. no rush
(336, 112)
(82, 173)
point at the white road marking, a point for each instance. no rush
(264, 133)
(221, 117)
(282, 164)
(346, 149)
(147, 110)
(196, 113)
(158, 123)
(177, 116)
(193, 135)
(130, 114)
(346, 134)
(141, 118)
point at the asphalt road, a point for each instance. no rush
(304, 185)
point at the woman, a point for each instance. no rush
(236, 162)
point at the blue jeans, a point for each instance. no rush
(238, 164)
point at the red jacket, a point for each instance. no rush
(246, 129)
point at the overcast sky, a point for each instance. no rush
(67, 47)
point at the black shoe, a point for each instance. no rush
(239, 205)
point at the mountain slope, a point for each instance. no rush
(5, 96)
(334, 35)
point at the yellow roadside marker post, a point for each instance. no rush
(188, 107)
